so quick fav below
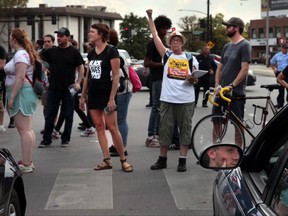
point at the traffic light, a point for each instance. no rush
(126, 32)
(30, 20)
(202, 23)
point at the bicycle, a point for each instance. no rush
(227, 127)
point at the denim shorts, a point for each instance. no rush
(25, 101)
(180, 113)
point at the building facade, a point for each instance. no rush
(278, 33)
(43, 20)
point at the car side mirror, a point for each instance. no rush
(221, 156)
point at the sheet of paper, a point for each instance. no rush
(199, 73)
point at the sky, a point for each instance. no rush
(245, 9)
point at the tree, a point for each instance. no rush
(190, 28)
(4, 4)
(135, 34)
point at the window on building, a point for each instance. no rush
(87, 25)
(286, 31)
(271, 35)
(254, 33)
(261, 33)
(278, 31)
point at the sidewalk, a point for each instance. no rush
(261, 69)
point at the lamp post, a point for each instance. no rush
(267, 34)
(208, 18)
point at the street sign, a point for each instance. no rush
(197, 32)
(210, 44)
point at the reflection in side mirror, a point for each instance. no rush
(222, 156)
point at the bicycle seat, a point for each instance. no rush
(271, 87)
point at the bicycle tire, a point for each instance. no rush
(205, 135)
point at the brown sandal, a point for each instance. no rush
(106, 164)
(128, 167)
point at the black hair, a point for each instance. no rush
(162, 22)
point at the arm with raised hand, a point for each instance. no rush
(158, 43)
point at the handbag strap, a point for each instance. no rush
(26, 76)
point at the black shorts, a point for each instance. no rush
(99, 100)
(237, 106)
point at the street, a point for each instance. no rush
(64, 182)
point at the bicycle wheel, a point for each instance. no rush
(216, 129)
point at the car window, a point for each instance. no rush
(280, 198)
(260, 179)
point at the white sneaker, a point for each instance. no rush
(26, 169)
(2, 129)
(88, 132)
(55, 134)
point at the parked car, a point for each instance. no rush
(258, 183)
(12, 195)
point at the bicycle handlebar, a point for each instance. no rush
(222, 94)
(212, 101)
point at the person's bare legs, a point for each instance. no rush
(27, 136)
(99, 121)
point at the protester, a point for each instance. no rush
(63, 60)
(103, 71)
(2, 88)
(20, 96)
(123, 98)
(278, 62)
(232, 71)
(89, 130)
(177, 95)
(206, 63)
(48, 43)
(153, 61)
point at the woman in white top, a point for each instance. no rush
(20, 97)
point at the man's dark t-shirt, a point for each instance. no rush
(63, 63)
(205, 63)
(152, 53)
(2, 56)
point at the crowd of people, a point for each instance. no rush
(174, 88)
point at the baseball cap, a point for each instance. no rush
(285, 46)
(174, 34)
(234, 21)
(63, 31)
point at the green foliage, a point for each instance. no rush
(13, 4)
(135, 34)
(191, 28)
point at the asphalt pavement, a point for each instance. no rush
(64, 182)
(261, 69)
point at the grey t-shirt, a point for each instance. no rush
(232, 56)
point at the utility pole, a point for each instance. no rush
(208, 21)
(267, 34)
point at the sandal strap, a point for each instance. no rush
(106, 159)
(123, 161)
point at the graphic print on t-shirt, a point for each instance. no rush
(178, 68)
(95, 68)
